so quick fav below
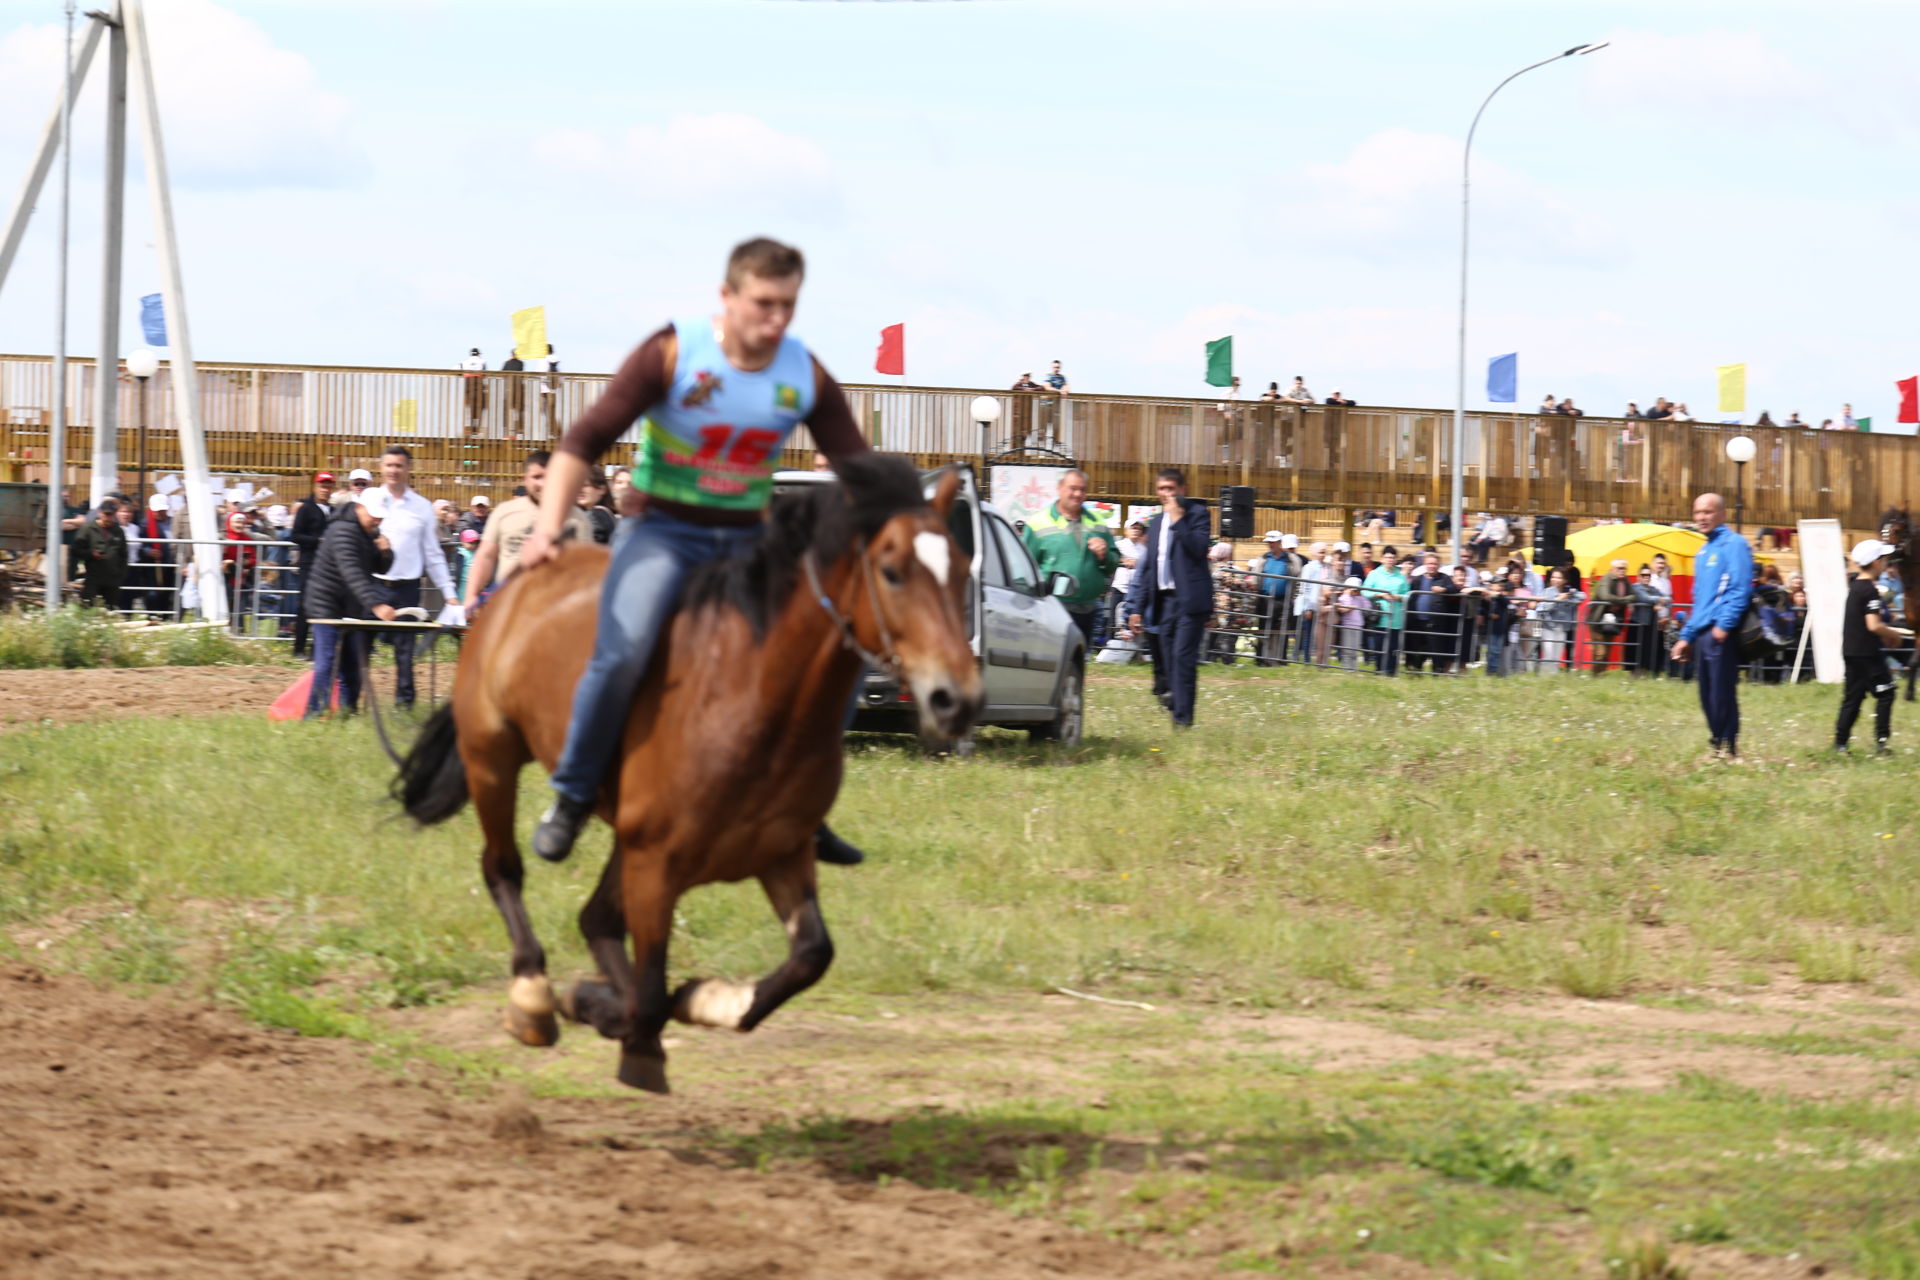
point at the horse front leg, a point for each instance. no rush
(742, 1006)
(646, 901)
(602, 1002)
(492, 779)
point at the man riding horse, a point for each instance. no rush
(716, 398)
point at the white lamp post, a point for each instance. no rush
(1740, 451)
(142, 364)
(1460, 392)
(986, 412)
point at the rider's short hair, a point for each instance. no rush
(1174, 474)
(538, 458)
(768, 259)
(399, 450)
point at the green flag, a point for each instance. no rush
(1863, 424)
(1220, 362)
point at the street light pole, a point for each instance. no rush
(1455, 513)
(986, 412)
(143, 363)
(1740, 451)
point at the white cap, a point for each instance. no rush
(375, 501)
(359, 473)
(480, 500)
(157, 502)
(279, 514)
(1865, 553)
(1290, 541)
(1353, 582)
(1271, 535)
(1341, 546)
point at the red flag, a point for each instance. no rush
(1909, 399)
(893, 350)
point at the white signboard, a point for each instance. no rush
(1823, 563)
(1019, 493)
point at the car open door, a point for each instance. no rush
(964, 523)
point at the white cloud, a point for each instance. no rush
(236, 110)
(1396, 196)
(1727, 74)
(701, 162)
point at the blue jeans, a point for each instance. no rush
(1496, 650)
(336, 658)
(651, 561)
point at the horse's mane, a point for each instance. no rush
(824, 519)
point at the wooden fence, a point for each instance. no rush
(468, 436)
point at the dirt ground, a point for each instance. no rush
(140, 1138)
(62, 697)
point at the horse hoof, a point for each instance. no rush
(539, 1030)
(639, 1071)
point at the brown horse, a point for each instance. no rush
(1896, 529)
(731, 757)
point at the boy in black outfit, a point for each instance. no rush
(1865, 636)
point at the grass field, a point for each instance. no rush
(1501, 978)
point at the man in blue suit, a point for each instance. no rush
(1172, 593)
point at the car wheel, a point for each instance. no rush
(1070, 712)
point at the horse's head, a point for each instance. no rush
(913, 611)
(1896, 529)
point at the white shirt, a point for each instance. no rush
(413, 532)
(473, 364)
(1166, 542)
(1129, 549)
(1496, 530)
(1307, 594)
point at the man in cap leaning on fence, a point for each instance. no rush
(1865, 636)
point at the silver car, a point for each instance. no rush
(1033, 659)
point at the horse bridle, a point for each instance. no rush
(890, 662)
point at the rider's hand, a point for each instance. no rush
(536, 548)
(384, 612)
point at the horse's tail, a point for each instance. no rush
(432, 783)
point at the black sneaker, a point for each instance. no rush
(559, 827)
(828, 847)
(1881, 748)
(1842, 749)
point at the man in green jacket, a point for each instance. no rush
(1067, 538)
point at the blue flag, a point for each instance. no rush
(153, 320)
(1503, 376)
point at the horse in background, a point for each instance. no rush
(732, 753)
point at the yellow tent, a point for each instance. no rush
(1596, 548)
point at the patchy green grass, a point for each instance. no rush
(77, 637)
(1417, 856)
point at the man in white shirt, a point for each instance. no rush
(1309, 599)
(1298, 393)
(1493, 532)
(412, 534)
(471, 370)
(1131, 548)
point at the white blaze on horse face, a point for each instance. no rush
(935, 552)
(716, 1003)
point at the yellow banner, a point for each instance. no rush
(530, 333)
(1733, 387)
(406, 417)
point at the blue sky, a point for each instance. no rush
(1107, 183)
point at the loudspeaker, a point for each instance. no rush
(1236, 511)
(1550, 541)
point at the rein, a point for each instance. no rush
(890, 662)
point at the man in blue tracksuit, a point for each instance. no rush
(1722, 586)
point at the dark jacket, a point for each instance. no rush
(340, 581)
(309, 523)
(1192, 577)
(102, 552)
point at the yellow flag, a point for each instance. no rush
(406, 417)
(1733, 387)
(530, 333)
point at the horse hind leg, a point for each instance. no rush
(493, 777)
(742, 1006)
